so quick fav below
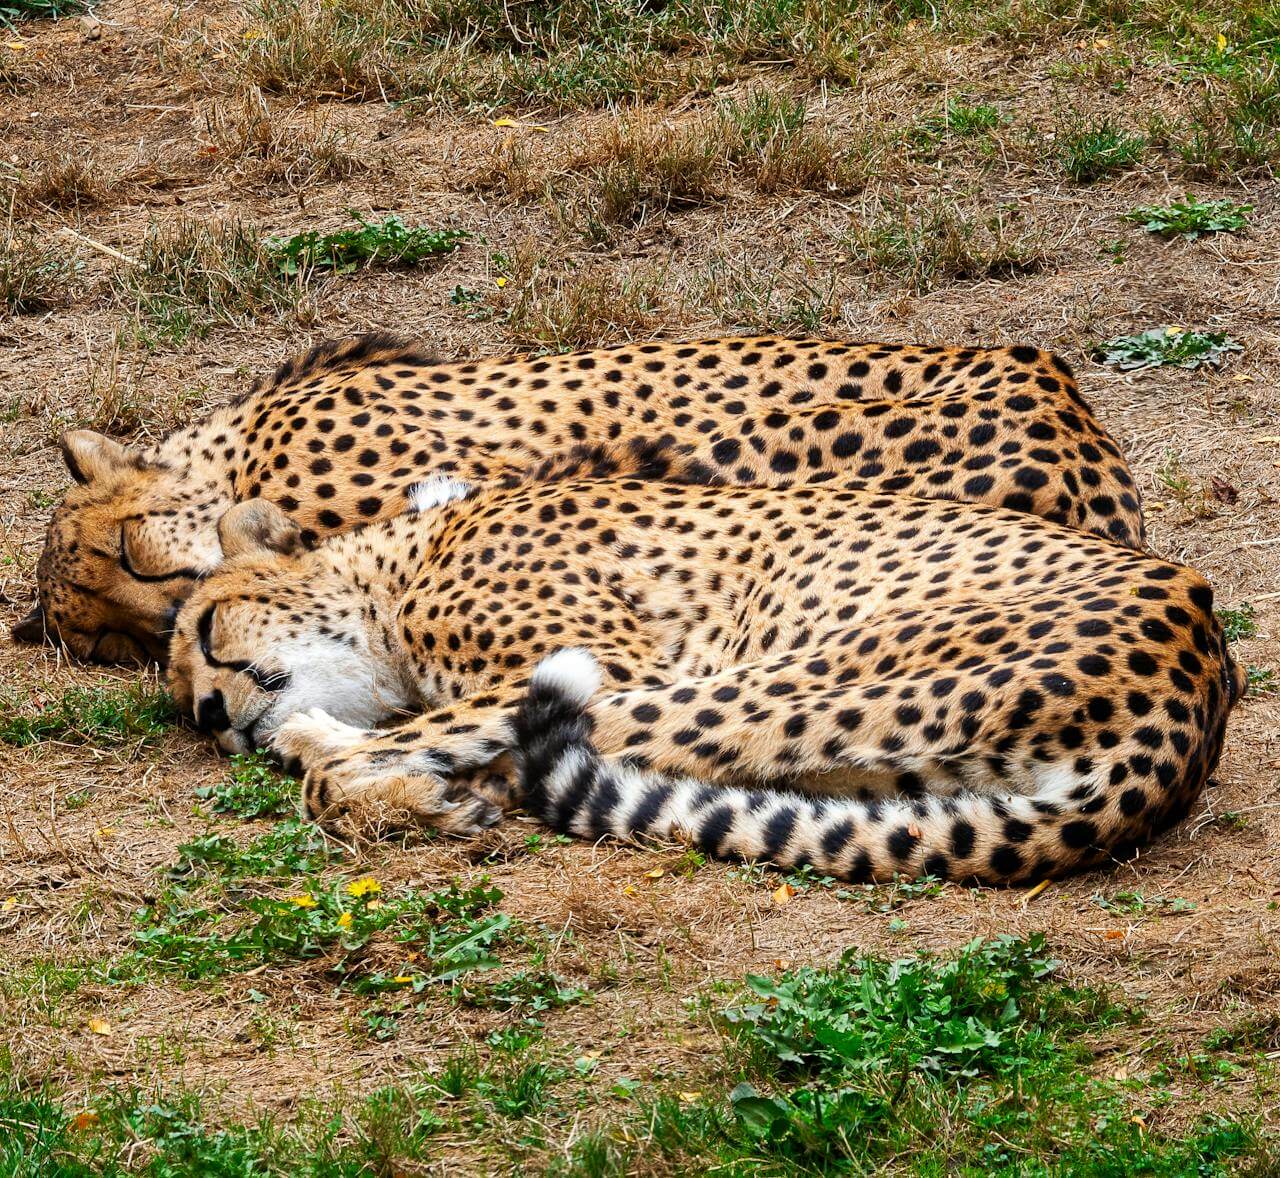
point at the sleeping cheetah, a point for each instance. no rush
(337, 437)
(993, 697)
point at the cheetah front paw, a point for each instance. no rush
(334, 792)
(310, 737)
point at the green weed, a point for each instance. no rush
(388, 242)
(12, 11)
(1261, 680)
(974, 1064)
(254, 788)
(228, 908)
(891, 897)
(1238, 623)
(290, 848)
(111, 716)
(1192, 217)
(226, 929)
(1159, 346)
(172, 1134)
(1127, 903)
(1090, 151)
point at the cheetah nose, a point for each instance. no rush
(211, 714)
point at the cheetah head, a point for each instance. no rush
(123, 550)
(275, 630)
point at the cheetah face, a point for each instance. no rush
(124, 548)
(268, 635)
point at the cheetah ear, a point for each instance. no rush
(31, 628)
(256, 527)
(91, 456)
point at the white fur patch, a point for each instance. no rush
(573, 672)
(436, 491)
(347, 683)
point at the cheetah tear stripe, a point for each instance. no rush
(983, 838)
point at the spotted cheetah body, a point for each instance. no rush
(338, 437)
(870, 683)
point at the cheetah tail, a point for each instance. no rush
(567, 784)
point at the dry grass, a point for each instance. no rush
(192, 274)
(548, 307)
(644, 165)
(943, 240)
(253, 141)
(62, 177)
(37, 273)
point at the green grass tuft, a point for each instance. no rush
(111, 716)
(1090, 151)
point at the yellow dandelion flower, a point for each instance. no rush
(500, 282)
(302, 901)
(344, 921)
(359, 888)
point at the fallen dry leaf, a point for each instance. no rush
(1223, 491)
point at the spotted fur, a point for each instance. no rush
(954, 688)
(340, 436)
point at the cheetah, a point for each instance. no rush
(870, 683)
(338, 437)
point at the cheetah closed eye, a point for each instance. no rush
(870, 683)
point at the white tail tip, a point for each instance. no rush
(573, 672)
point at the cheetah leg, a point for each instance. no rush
(383, 775)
